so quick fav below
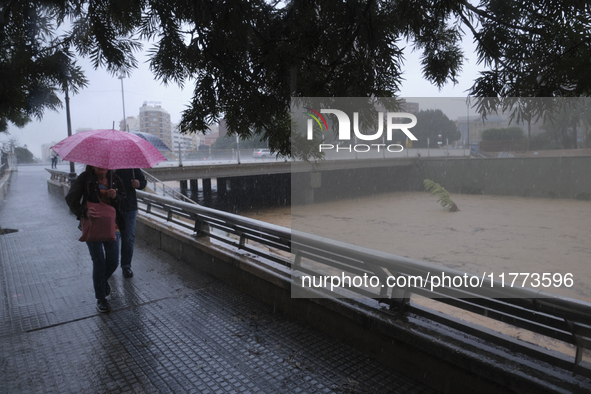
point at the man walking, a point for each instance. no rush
(133, 178)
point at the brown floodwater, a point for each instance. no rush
(492, 234)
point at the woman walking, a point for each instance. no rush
(95, 185)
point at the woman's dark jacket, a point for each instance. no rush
(86, 188)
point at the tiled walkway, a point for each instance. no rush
(172, 329)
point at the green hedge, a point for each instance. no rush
(509, 133)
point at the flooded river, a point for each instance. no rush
(492, 234)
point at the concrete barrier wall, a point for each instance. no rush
(57, 188)
(550, 177)
(4, 184)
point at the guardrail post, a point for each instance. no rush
(201, 228)
(578, 342)
(297, 261)
(400, 299)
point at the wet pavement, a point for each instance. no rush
(172, 329)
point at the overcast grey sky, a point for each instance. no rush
(100, 104)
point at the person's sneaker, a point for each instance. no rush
(102, 305)
(127, 273)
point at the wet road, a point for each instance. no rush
(171, 330)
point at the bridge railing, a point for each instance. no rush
(161, 187)
(564, 319)
(59, 177)
(3, 169)
(225, 227)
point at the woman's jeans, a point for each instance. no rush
(105, 258)
(128, 238)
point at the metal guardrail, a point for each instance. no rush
(220, 225)
(63, 177)
(564, 319)
(166, 190)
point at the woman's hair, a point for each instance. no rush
(90, 171)
(90, 168)
(92, 175)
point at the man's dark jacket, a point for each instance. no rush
(126, 176)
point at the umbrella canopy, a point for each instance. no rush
(152, 139)
(110, 149)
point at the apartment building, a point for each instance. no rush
(131, 123)
(156, 121)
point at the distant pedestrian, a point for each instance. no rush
(133, 178)
(54, 160)
(93, 185)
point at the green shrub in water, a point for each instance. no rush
(437, 190)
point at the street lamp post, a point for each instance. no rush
(72, 176)
(467, 101)
(121, 76)
(468, 121)
(180, 154)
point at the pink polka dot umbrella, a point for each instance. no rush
(109, 149)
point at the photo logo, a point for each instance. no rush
(315, 115)
(393, 122)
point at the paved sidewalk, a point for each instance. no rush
(171, 330)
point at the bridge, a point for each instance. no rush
(230, 164)
(221, 169)
(518, 176)
(307, 175)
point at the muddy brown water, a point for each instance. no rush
(492, 234)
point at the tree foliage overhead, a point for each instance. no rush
(32, 64)
(538, 48)
(247, 58)
(37, 54)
